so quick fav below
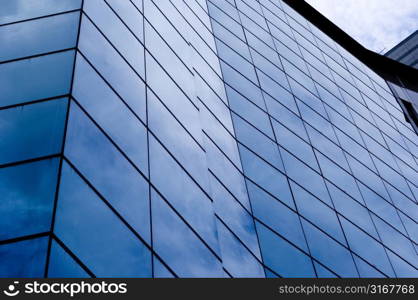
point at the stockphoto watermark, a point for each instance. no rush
(64, 288)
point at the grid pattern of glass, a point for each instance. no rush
(197, 138)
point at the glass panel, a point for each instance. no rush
(108, 171)
(306, 177)
(257, 142)
(16, 10)
(62, 265)
(402, 269)
(27, 198)
(227, 173)
(282, 257)
(177, 140)
(24, 259)
(116, 33)
(351, 209)
(276, 215)
(95, 234)
(318, 213)
(238, 219)
(236, 258)
(323, 272)
(329, 252)
(250, 112)
(295, 145)
(367, 248)
(179, 246)
(112, 67)
(185, 196)
(36, 78)
(160, 271)
(39, 36)
(366, 270)
(396, 242)
(338, 176)
(266, 176)
(32, 131)
(108, 110)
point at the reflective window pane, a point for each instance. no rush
(36, 37)
(24, 259)
(27, 198)
(32, 131)
(87, 226)
(31, 79)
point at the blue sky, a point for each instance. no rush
(376, 24)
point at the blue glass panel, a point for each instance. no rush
(95, 234)
(236, 61)
(243, 85)
(160, 271)
(367, 177)
(286, 117)
(173, 97)
(227, 173)
(355, 150)
(411, 227)
(249, 111)
(108, 171)
(127, 11)
(235, 216)
(186, 197)
(338, 176)
(112, 67)
(27, 198)
(329, 252)
(174, 62)
(366, 270)
(396, 242)
(351, 209)
(326, 147)
(366, 247)
(62, 265)
(257, 142)
(266, 176)
(317, 121)
(16, 10)
(110, 113)
(283, 97)
(275, 90)
(178, 246)
(117, 33)
(306, 177)
(235, 257)
(381, 207)
(179, 142)
(24, 259)
(226, 21)
(32, 131)
(221, 136)
(317, 212)
(39, 36)
(276, 215)
(295, 145)
(323, 272)
(402, 269)
(36, 78)
(282, 257)
(230, 39)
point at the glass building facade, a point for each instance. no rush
(406, 51)
(197, 138)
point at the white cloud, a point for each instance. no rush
(376, 24)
